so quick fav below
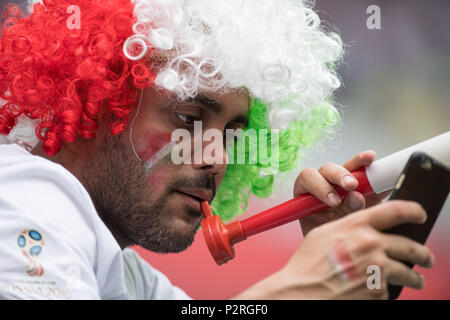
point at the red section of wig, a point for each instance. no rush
(64, 78)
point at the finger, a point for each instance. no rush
(404, 249)
(339, 176)
(311, 181)
(401, 275)
(395, 212)
(360, 160)
(353, 201)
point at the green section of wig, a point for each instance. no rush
(243, 180)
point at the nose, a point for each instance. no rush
(211, 153)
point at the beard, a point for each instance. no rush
(121, 192)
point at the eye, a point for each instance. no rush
(188, 119)
(231, 135)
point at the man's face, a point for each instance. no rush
(159, 208)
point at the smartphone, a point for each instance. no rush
(426, 181)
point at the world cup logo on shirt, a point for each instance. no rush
(31, 244)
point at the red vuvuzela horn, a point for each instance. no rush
(378, 177)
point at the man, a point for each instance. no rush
(106, 89)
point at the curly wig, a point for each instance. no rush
(61, 78)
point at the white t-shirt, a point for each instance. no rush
(53, 244)
(143, 282)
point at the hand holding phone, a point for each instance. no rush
(426, 181)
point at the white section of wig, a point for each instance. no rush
(275, 48)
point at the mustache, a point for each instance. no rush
(204, 181)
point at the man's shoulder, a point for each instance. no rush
(18, 165)
(39, 196)
(36, 179)
(41, 192)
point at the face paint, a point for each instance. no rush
(163, 152)
(151, 142)
(154, 145)
(343, 262)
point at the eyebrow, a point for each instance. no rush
(217, 107)
(212, 104)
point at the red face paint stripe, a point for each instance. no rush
(152, 142)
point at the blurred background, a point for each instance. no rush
(395, 93)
